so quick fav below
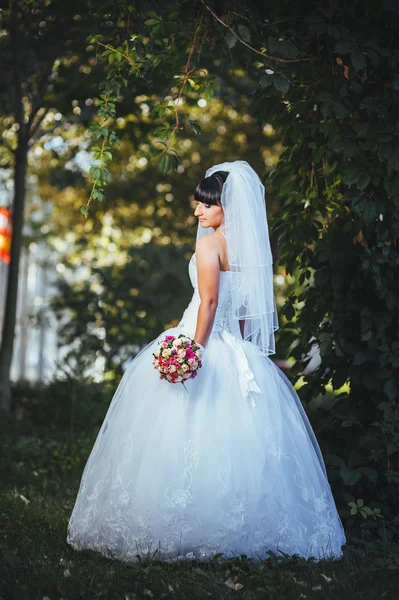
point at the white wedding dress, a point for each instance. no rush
(229, 465)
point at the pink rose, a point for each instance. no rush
(170, 337)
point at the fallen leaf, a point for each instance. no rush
(24, 499)
(230, 583)
(67, 573)
(328, 579)
(315, 588)
(238, 586)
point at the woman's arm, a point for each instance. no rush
(208, 272)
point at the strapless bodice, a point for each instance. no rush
(222, 317)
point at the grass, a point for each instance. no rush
(40, 476)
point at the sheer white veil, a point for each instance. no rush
(246, 231)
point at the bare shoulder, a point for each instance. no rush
(207, 243)
(207, 250)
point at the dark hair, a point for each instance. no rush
(209, 191)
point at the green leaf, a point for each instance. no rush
(360, 358)
(231, 40)
(266, 80)
(352, 175)
(371, 474)
(373, 56)
(343, 47)
(356, 87)
(323, 96)
(363, 181)
(349, 476)
(164, 164)
(281, 83)
(390, 389)
(153, 22)
(334, 460)
(358, 59)
(340, 109)
(287, 49)
(244, 33)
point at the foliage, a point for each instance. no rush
(327, 79)
(339, 222)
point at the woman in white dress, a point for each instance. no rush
(228, 462)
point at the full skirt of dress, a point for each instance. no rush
(215, 467)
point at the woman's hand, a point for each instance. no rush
(200, 345)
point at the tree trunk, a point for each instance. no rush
(10, 312)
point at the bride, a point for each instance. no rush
(228, 462)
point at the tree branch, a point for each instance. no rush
(7, 145)
(37, 124)
(277, 58)
(37, 100)
(35, 139)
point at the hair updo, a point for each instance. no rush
(209, 191)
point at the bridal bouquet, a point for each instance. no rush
(177, 358)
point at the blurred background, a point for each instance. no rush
(105, 285)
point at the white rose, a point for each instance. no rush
(181, 353)
(178, 379)
(167, 352)
(157, 351)
(176, 342)
(172, 369)
(185, 367)
(198, 353)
